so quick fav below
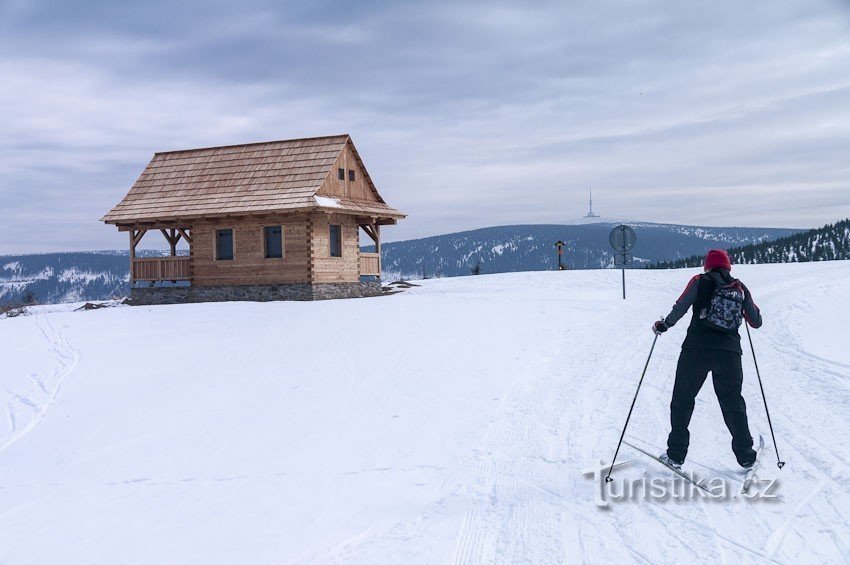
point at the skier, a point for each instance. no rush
(712, 344)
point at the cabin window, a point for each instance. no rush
(224, 245)
(341, 174)
(336, 240)
(350, 174)
(274, 242)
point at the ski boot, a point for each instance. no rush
(669, 462)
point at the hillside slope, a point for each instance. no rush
(532, 247)
(829, 243)
(100, 275)
(65, 277)
(453, 427)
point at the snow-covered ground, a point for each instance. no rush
(447, 424)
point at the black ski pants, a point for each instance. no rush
(727, 376)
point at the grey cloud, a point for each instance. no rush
(467, 114)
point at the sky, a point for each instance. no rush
(721, 113)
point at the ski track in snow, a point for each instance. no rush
(67, 358)
(522, 507)
(799, 445)
(502, 512)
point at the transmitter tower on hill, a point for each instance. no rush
(590, 213)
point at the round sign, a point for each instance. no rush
(622, 238)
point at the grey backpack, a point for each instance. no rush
(724, 311)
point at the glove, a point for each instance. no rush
(659, 327)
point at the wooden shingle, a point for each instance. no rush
(268, 177)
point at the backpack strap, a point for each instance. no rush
(706, 288)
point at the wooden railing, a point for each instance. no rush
(370, 264)
(162, 269)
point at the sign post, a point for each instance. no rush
(623, 239)
(560, 246)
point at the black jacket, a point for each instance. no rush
(697, 295)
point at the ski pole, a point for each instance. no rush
(779, 463)
(608, 479)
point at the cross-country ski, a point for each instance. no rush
(677, 470)
(752, 471)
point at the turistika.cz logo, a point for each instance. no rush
(663, 488)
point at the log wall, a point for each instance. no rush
(249, 265)
(327, 269)
(306, 246)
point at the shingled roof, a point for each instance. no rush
(274, 176)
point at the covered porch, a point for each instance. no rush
(173, 267)
(370, 263)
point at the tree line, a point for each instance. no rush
(829, 243)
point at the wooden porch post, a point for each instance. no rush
(132, 253)
(378, 246)
(135, 237)
(186, 233)
(173, 238)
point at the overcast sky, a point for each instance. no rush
(466, 115)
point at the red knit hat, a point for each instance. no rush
(717, 258)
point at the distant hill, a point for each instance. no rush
(69, 277)
(828, 243)
(64, 277)
(531, 247)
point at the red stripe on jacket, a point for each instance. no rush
(694, 280)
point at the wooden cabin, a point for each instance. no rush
(279, 220)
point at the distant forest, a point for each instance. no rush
(829, 243)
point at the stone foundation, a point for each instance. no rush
(253, 293)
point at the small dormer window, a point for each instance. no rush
(350, 174)
(341, 174)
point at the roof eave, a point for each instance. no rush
(395, 214)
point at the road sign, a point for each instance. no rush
(622, 238)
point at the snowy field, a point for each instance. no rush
(447, 424)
